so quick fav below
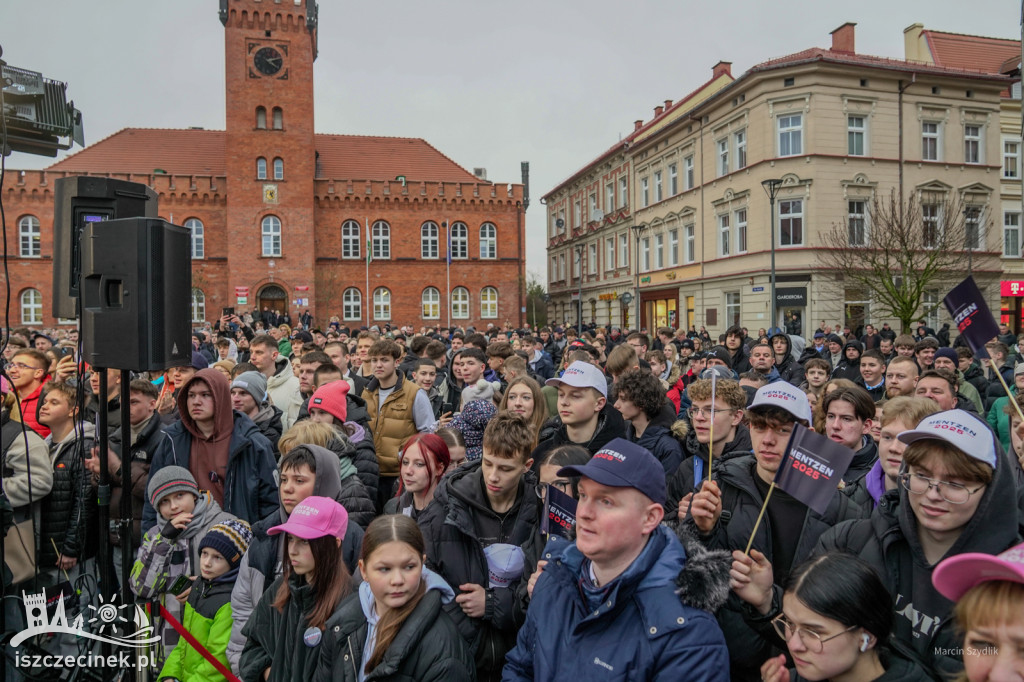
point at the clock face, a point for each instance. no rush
(268, 61)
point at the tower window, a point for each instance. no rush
(278, 169)
(278, 118)
(261, 118)
(261, 168)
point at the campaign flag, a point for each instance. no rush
(812, 468)
(559, 513)
(972, 317)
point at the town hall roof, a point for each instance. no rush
(197, 151)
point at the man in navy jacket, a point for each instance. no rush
(605, 605)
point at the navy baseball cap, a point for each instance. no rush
(621, 464)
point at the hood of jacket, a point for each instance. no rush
(267, 413)
(328, 477)
(345, 451)
(739, 445)
(224, 418)
(784, 337)
(461, 490)
(84, 429)
(282, 373)
(433, 581)
(205, 511)
(610, 425)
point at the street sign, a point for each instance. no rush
(757, 290)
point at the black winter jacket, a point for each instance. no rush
(428, 647)
(63, 511)
(353, 495)
(660, 442)
(358, 449)
(683, 480)
(141, 457)
(609, 425)
(454, 551)
(888, 540)
(268, 421)
(863, 460)
(275, 639)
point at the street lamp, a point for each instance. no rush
(579, 303)
(638, 231)
(771, 188)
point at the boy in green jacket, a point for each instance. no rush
(208, 610)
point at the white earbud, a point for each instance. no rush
(864, 641)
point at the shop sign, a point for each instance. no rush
(791, 296)
(1011, 288)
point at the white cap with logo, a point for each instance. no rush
(582, 375)
(783, 395)
(959, 428)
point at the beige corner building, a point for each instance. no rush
(677, 214)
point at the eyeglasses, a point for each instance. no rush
(703, 413)
(811, 640)
(562, 484)
(954, 493)
(22, 365)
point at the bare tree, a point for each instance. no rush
(896, 252)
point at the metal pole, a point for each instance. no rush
(579, 303)
(636, 321)
(772, 302)
(125, 526)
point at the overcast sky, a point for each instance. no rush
(490, 84)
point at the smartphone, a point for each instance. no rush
(229, 311)
(179, 585)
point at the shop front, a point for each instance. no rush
(1012, 305)
(791, 302)
(659, 308)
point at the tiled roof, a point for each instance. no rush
(870, 61)
(971, 52)
(202, 152)
(142, 150)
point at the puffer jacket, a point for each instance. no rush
(863, 460)
(208, 619)
(568, 637)
(352, 495)
(358, 449)
(274, 639)
(427, 648)
(391, 423)
(141, 453)
(64, 511)
(553, 433)
(262, 563)
(454, 551)
(268, 421)
(888, 540)
(250, 488)
(899, 667)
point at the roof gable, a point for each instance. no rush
(963, 51)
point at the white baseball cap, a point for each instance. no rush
(582, 375)
(783, 395)
(959, 428)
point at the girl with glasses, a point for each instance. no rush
(835, 620)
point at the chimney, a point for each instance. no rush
(842, 38)
(914, 47)
(668, 104)
(721, 69)
(638, 124)
(658, 111)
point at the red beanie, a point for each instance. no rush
(331, 399)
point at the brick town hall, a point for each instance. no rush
(282, 216)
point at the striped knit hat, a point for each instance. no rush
(230, 538)
(169, 480)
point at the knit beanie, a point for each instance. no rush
(253, 383)
(230, 538)
(332, 399)
(481, 390)
(199, 360)
(169, 480)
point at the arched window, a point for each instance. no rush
(29, 237)
(352, 304)
(381, 240)
(382, 304)
(31, 307)
(489, 303)
(261, 168)
(488, 241)
(198, 305)
(460, 241)
(460, 303)
(271, 236)
(350, 240)
(261, 118)
(195, 226)
(279, 168)
(278, 118)
(428, 240)
(431, 301)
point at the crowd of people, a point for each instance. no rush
(336, 503)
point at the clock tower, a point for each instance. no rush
(270, 46)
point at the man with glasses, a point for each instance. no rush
(732, 439)
(28, 371)
(789, 529)
(955, 496)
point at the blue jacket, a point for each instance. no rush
(250, 491)
(642, 631)
(660, 442)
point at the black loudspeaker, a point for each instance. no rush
(136, 294)
(79, 201)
